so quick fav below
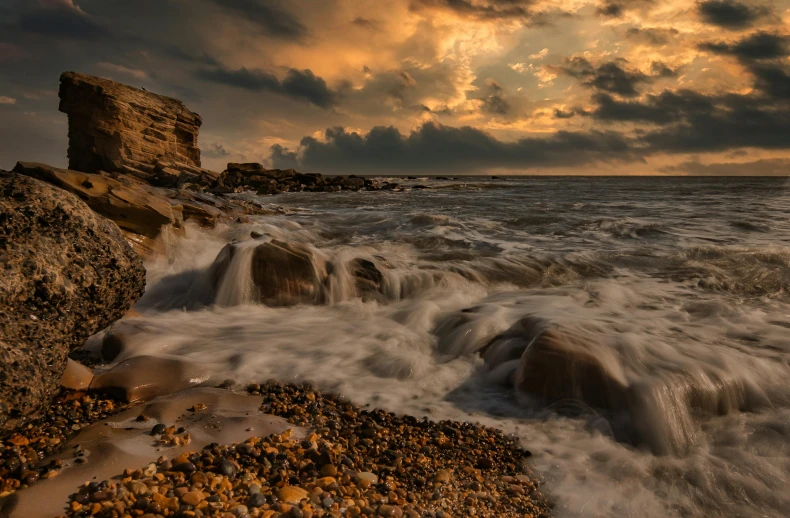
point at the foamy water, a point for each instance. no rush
(678, 286)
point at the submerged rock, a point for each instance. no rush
(274, 273)
(67, 273)
(118, 128)
(559, 364)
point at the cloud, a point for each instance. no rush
(758, 46)
(60, 18)
(214, 150)
(652, 35)
(481, 9)
(268, 15)
(773, 81)
(132, 72)
(7, 100)
(301, 85)
(764, 167)
(494, 99)
(617, 8)
(729, 14)
(612, 76)
(434, 147)
(366, 23)
(694, 122)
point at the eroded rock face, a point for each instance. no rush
(141, 212)
(66, 274)
(560, 364)
(118, 128)
(274, 273)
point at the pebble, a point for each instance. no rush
(353, 462)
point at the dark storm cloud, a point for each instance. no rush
(268, 15)
(494, 99)
(613, 76)
(488, 9)
(652, 36)
(616, 8)
(301, 85)
(695, 122)
(773, 81)
(60, 19)
(729, 14)
(764, 167)
(569, 114)
(436, 147)
(758, 46)
(611, 10)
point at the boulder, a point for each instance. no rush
(140, 211)
(67, 273)
(118, 128)
(558, 364)
(275, 273)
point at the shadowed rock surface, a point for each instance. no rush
(117, 128)
(67, 273)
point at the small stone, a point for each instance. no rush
(158, 429)
(485, 463)
(227, 468)
(366, 479)
(292, 494)
(192, 498)
(329, 470)
(390, 510)
(185, 467)
(442, 476)
(257, 500)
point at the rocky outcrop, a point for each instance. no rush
(253, 176)
(67, 273)
(140, 211)
(118, 128)
(279, 273)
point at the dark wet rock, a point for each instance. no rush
(368, 279)
(562, 364)
(144, 377)
(121, 129)
(283, 274)
(67, 273)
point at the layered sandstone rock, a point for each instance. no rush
(141, 212)
(67, 273)
(118, 128)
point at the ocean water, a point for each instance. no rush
(677, 286)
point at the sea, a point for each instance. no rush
(680, 287)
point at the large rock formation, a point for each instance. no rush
(67, 273)
(140, 211)
(117, 128)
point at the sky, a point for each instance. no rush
(667, 87)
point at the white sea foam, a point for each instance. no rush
(691, 318)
